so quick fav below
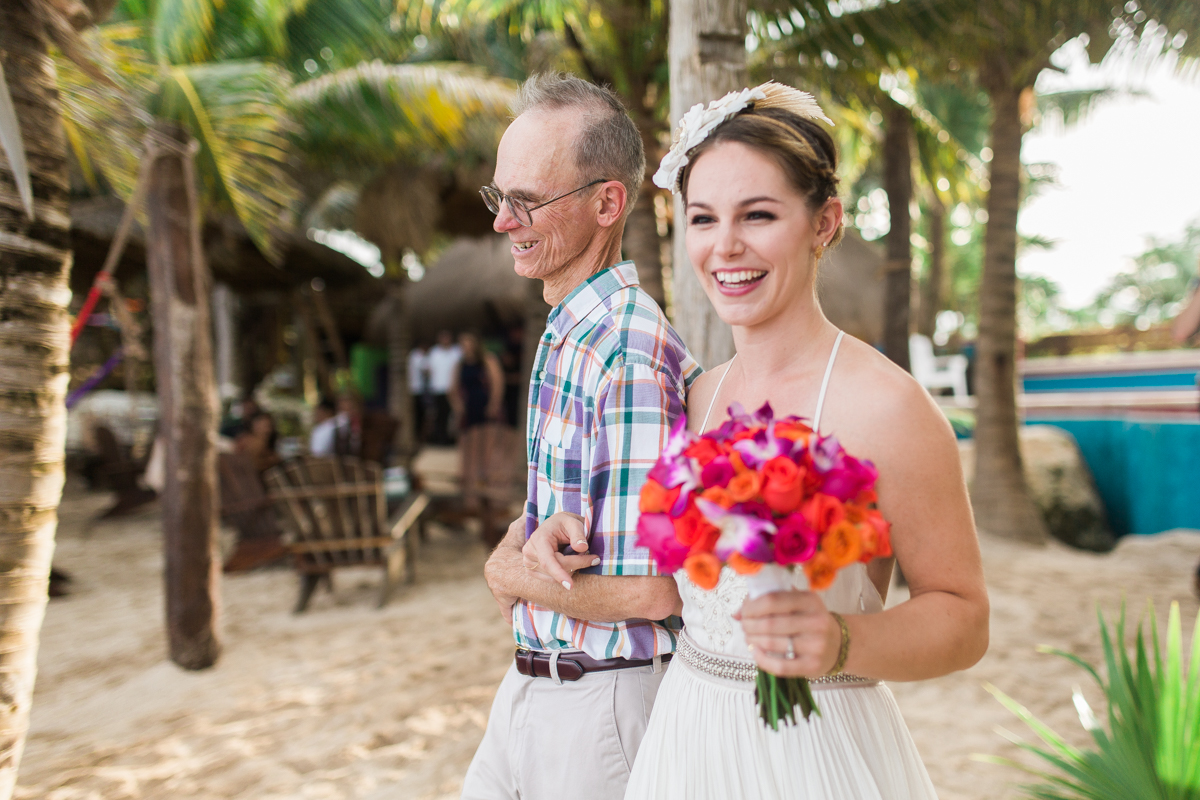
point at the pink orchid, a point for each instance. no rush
(743, 533)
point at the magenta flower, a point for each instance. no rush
(740, 532)
(657, 533)
(718, 472)
(795, 541)
(849, 478)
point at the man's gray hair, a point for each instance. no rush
(609, 145)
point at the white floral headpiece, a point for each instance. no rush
(699, 122)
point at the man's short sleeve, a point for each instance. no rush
(632, 420)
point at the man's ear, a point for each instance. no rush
(613, 201)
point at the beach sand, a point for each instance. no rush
(347, 701)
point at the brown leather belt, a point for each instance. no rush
(573, 666)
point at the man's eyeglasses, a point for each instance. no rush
(522, 213)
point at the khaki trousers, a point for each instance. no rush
(572, 740)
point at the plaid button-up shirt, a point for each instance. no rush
(609, 381)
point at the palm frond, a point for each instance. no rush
(14, 146)
(234, 111)
(105, 122)
(375, 113)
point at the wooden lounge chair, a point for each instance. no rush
(335, 513)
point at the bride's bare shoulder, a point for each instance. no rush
(882, 398)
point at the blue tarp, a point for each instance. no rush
(1147, 471)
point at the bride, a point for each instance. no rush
(757, 175)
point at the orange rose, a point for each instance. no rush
(744, 486)
(820, 572)
(740, 435)
(742, 565)
(783, 485)
(841, 544)
(703, 569)
(883, 531)
(735, 458)
(792, 431)
(822, 511)
(703, 451)
(656, 498)
(690, 525)
(718, 495)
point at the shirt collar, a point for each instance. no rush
(587, 295)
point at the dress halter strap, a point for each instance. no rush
(816, 426)
(820, 398)
(713, 402)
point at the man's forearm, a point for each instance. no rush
(599, 598)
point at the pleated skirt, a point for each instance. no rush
(705, 741)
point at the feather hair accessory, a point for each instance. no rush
(701, 120)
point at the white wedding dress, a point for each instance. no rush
(705, 740)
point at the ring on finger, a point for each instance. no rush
(791, 650)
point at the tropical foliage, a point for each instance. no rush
(272, 91)
(1149, 748)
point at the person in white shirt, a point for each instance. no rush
(442, 360)
(322, 438)
(418, 387)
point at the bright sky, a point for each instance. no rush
(1129, 170)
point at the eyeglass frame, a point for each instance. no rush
(483, 190)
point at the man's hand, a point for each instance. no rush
(541, 554)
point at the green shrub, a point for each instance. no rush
(1151, 750)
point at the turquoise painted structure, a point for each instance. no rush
(1147, 469)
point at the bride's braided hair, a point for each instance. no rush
(803, 149)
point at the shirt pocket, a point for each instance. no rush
(562, 452)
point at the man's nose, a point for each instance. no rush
(505, 221)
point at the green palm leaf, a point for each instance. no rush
(234, 111)
(105, 122)
(376, 113)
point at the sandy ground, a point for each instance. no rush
(347, 701)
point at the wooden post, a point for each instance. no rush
(707, 53)
(183, 362)
(400, 398)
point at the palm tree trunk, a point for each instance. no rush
(933, 291)
(642, 244)
(183, 368)
(1002, 502)
(897, 181)
(707, 53)
(35, 259)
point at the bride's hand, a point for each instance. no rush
(541, 552)
(775, 619)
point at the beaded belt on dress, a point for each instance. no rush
(739, 669)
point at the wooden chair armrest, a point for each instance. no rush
(408, 515)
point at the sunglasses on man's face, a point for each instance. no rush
(522, 213)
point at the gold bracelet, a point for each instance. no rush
(844, 650)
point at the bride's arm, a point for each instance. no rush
(943, 627)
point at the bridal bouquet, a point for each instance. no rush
(762, 496)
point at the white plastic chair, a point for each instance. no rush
(937, 372)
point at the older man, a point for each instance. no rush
(609, 380)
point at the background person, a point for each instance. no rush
(477, 397)
(442, 360)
